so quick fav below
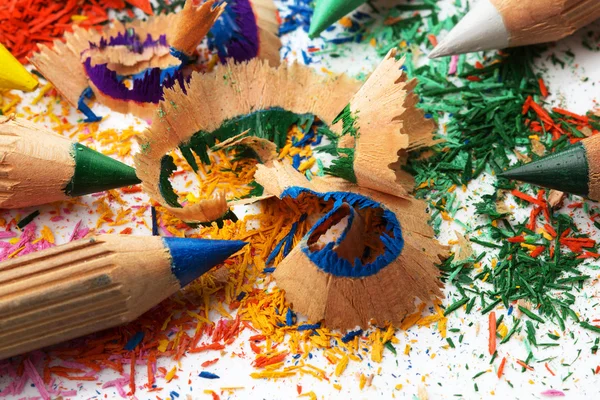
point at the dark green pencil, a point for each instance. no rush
(575, 170)
(39, 166)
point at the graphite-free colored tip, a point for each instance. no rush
(481, 29)
(515, 174)
(566, 171)
(13, 75)
(96, 172)
(191, 258)
(328, 12)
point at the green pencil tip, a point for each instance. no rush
(566, 171)
(95, 172)
(328, 12)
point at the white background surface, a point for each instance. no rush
(441, 376)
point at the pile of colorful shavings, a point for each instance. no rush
(232, 169)
(523, 270)
(24, 23)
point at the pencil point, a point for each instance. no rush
(566, 171)
(328, 12)
(191, 258)
(481, 29)
(96, 172)
(13, 75)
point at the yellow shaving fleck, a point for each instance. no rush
(171, 374)
(341, 366)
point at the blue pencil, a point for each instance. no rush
(92, 284)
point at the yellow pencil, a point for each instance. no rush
(13, 75)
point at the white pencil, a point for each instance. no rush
(498, 24)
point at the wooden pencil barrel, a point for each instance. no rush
(538, 21)
(79, 288)
(33, 161)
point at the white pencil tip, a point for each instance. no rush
(439, 51)
(481, 29)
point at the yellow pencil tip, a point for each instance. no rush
(13, 75)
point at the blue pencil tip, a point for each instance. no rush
(191, 258)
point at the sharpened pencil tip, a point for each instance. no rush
(437, 52)
(191, 258)
(566, 171)
(13, 74)
(328, 12)
(481, 29)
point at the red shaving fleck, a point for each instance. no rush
(550, 230)
(255, 348)
(492, 326)
(532, 218)
(263, 361)
(472, 78)
(548, 368)
(212, 346)
(132, 189)
(501, 367)
(589, 254)
(578, 117)
(543, 114)
(527, 198)
(576, 245)
(299, 388)
(527, 105)
(143, 5)
(432, 39)
(543, 88)
(132, 374)
(516, 239)
(522, 364)
(209, 363)
(151, 363)
(538, 250)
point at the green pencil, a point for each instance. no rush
(328, 12)
(574, 170)
(39, 166)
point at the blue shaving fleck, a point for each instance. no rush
(308, 137)
(275, 251)
(298, 16)
(347, 39)
(180, 55)
(154, 222)
(289, 317)
(208, 375)
(268, 270)
(318, 140)
(289, 239)
(241, 296)
(510, 310)
(134, 341)
(296, 161)
(81, 106)
(351, 335)
(308, 327)
(328, 260)
(306, 58)
(173, 394)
